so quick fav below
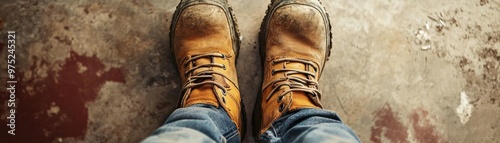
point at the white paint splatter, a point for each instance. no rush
(423, 38)
(427, 25)
(54, 110)
(426, 47)
(464, 110)
(81, 68)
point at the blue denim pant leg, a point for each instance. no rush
(198, 123)
(309, 126)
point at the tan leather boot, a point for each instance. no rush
(205, 41)
(295, 41)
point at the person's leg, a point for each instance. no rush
(196, 123)
(295, 42)
(205, 43)
(309, 125)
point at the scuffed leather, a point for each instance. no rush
(204, 27)
(297, 29)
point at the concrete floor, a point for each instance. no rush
(101, 71)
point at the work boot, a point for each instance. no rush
(295, 42)
(205, 41)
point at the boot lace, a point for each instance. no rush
(296, 83)
(204, 77)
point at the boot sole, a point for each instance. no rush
(257, 112)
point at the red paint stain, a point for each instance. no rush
(423, 130)
(66, 89)
(387, 122)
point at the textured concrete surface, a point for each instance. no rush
(101, 71)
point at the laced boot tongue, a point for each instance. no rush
(205, 93)
(300, 69)
(201, 61)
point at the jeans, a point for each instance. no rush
(202, 123)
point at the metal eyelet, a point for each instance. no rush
(224, 67)
(282, 107)
(273, 72)
(223, 56)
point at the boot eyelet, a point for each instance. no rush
(273, 72)
(224, 67)
(282, 107)
(223, 100)
(223, 56)
(280, 98)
